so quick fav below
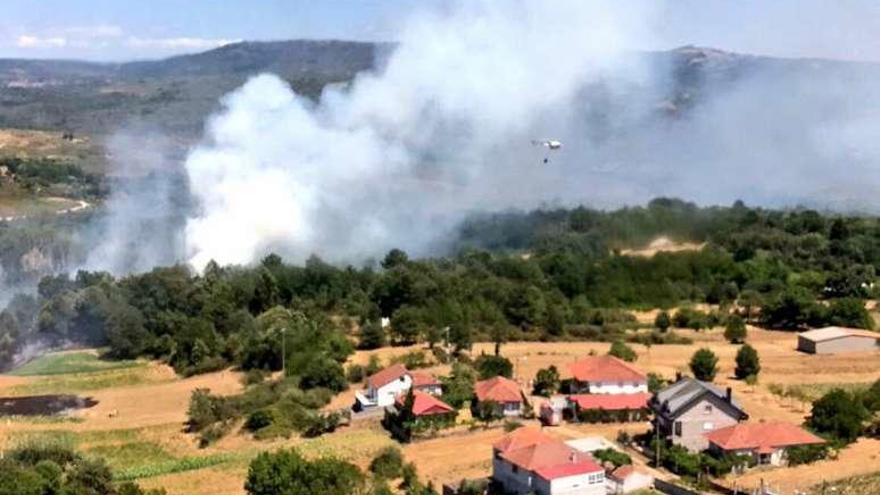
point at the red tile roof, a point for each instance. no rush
(764, 437)
(426, 404)
(522, 437)
(622, 472)
(421, 379)
(543, 455)
(605, 369)
(611, 402)
(498, 389)
(386, 376)
(568, 469)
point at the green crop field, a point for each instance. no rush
(70, 362)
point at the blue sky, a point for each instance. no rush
(136, 29)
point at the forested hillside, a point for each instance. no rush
(540, 275)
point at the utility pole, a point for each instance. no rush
(656, 442)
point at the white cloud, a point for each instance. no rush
(28, 41)
(94, 32)
(180, 43)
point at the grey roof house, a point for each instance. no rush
(688, 409)
(837, 340)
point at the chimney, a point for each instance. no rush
(678, 376)
(728, 394)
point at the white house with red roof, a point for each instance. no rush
(384, 386)
(627, 479)
(607, 375)
(766, 443)
(502, 391)
(529, 461)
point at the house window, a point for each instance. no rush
(707, 408)
(678, 428)
(514, 468)
(708, 425)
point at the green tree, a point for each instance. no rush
(849, 312)
(622, 351)
(662, 321)
(750, 299)
(372, 335)
(547, 381)
(839, 415)
(492, 366)
(286, 472)
(394, 258)
(458, 387)
(704, 365)
(407, 324)
(388, 463)
(747, 362)
(735, 330)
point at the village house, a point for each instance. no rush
(425, 404)
(609, 407)
(606, 375)
(837, 340)
(387, 384)
(627, 479)
(529, 461)
(426, 382)
(765, 443)
(687, 410)
(503, 392)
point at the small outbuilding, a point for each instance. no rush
(837, 340)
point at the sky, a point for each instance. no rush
(113, 30)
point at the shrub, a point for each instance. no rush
(613, 456)
(254, 377)
(839, 415)
(747, 362)
(655, 382)
(492, 366)
(546, 381)
(735, 330)
(622, 351)
(806, 454)
(324, 373)
(691, 318)
(355, 373)
(662, 322)
(373, 365)
(704, 365)
(287, 472)
(388, 463)
(259, 420)
(413, 360)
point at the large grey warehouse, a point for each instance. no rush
(834, 340)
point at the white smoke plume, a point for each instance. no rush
(397, 158)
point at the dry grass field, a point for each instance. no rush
(146, 441)
(25, 143)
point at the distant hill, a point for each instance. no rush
(176, 94)
(173, 94)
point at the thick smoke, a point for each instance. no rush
(141, 225)
(400, 156)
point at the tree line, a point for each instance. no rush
(540, 275)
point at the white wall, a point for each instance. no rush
(522, 482)
(617, 387)
(581, 484)
(385, 395)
